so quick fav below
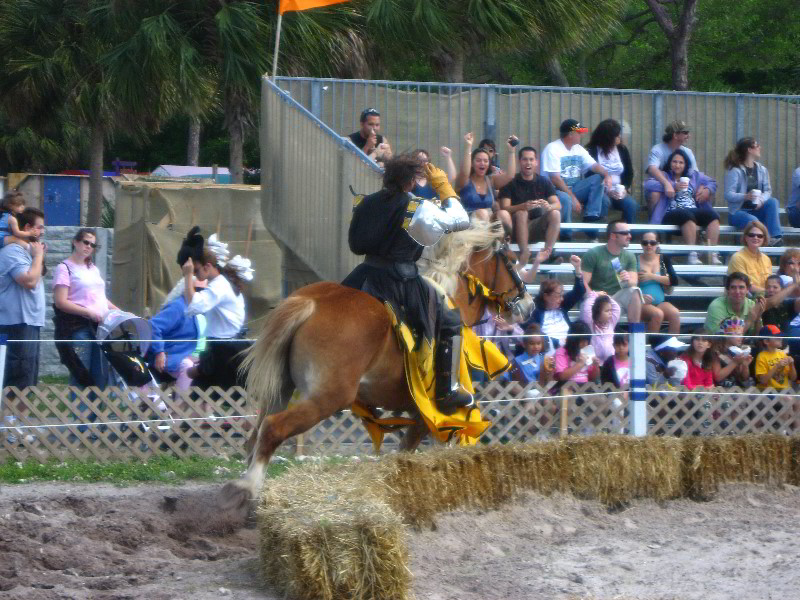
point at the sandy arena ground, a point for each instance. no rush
(101, 542)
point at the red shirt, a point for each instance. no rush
(696, 376)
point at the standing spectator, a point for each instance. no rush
(699, 359)
(612, 269)
(617, 368)
(80, 303)
(606, 147)
(423, 189)
(367, 138)
(735, 303)
(533, 365)
(792, 206)
(566, 163)
(656, 279)
(476, 187)
(748, 191)
(22, 306)
(531, 201)
(750, 260)
(690, 206)
(13, 205)
(675, 136)
(601, 314)
(774, 368)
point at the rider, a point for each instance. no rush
(391, 227)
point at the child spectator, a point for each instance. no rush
(731, 364)
(782, 308)
(572, 361)
(532, 365)
(13, 205)
(658, 356)
(601, 314)
(789, 267)
(774, 368)
(699, 360)
(617, 368)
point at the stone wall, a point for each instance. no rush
(59, 247)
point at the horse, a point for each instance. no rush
(333, 345)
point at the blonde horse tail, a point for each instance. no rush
(266, 361)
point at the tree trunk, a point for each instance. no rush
(449, 65)
(678, 35)
(553, 66)
(95, 208)
(583, 79)
(193, 147)
(679, 51)
(236, 149)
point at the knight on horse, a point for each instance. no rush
(392, 227)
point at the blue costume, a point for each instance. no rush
(171, 323)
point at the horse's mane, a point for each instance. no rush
(444, 261)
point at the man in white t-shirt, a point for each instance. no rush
(566, 163)
(675, 136)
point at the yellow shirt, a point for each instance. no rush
(765, 361)
(757, 267)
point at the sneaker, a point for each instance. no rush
(715, 259)
(776, 241)
(694, 259)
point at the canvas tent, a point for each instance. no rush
(223, 175)
(151, 220)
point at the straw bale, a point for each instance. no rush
(710, 461)
(327, 534)
(794, 443)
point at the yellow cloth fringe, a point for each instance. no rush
(476, 289)
(466, 425)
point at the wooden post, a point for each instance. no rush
(565, 410)
(219, 222)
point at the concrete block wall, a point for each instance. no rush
(59, 247)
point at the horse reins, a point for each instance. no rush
(507, 305)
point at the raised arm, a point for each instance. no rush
(449, 165)
(466, 162)
(500, 180)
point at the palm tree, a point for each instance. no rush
(446, 30)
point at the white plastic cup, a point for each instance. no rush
(620, 190)
(756, 194)
(684, 180)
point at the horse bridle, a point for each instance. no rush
(507, 305)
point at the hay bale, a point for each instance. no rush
(327, 534)
(711, 461)
(794, 444)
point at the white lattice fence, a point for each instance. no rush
(55, 421)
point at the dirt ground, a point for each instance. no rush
(103, 542)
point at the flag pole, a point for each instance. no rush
(277, 47)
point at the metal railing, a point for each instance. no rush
(430, 115)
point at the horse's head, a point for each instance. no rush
(494, 269)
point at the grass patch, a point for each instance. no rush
(161, 469)
(54, 379)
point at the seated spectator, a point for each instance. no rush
(551, 310)
(606, 147)
(789, 267)
(748, 191)
(735, 303)
(699, 359)
(781, 306)
(750, 260)
(617, 368)
(774, 368)
(533, 365)
(675, 137)
(491, 149)
(367, 138)
(731, 364)
(422, 188)
(601, 314)
(656, 279)
(690, 206)
(792, 208)
(175, 336)
(491, 325)
(568, 165)
(658, 355)
(610, 268)
(572, 362)
(531, 201)
(476, 187)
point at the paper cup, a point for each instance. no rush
(620, 189)
(684, 180)
(756, 194)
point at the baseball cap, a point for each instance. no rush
(672, 343)
(676, 127)
(769, 331)
(570, 125)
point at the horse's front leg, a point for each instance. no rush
(413, 435)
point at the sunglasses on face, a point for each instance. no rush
(88, 243)
(622, 232)
(758, 236)
(649, 243)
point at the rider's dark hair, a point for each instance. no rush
(401, 171)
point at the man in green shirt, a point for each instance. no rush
(612, 269)
(735, 303)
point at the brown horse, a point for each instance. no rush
(335, 345)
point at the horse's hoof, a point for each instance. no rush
(236, 499)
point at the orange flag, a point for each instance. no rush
(287, 5)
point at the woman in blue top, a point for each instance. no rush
(656, 277)
(423, 189)
(476, 186)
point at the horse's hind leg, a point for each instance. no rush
(413, 435)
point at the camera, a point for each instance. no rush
(513, 141)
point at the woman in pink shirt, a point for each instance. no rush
(700, 359)
(80, 303)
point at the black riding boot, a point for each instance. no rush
(450, 396)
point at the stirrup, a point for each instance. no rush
(456, 399)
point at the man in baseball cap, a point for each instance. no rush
(581, 182)
(676, 135)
